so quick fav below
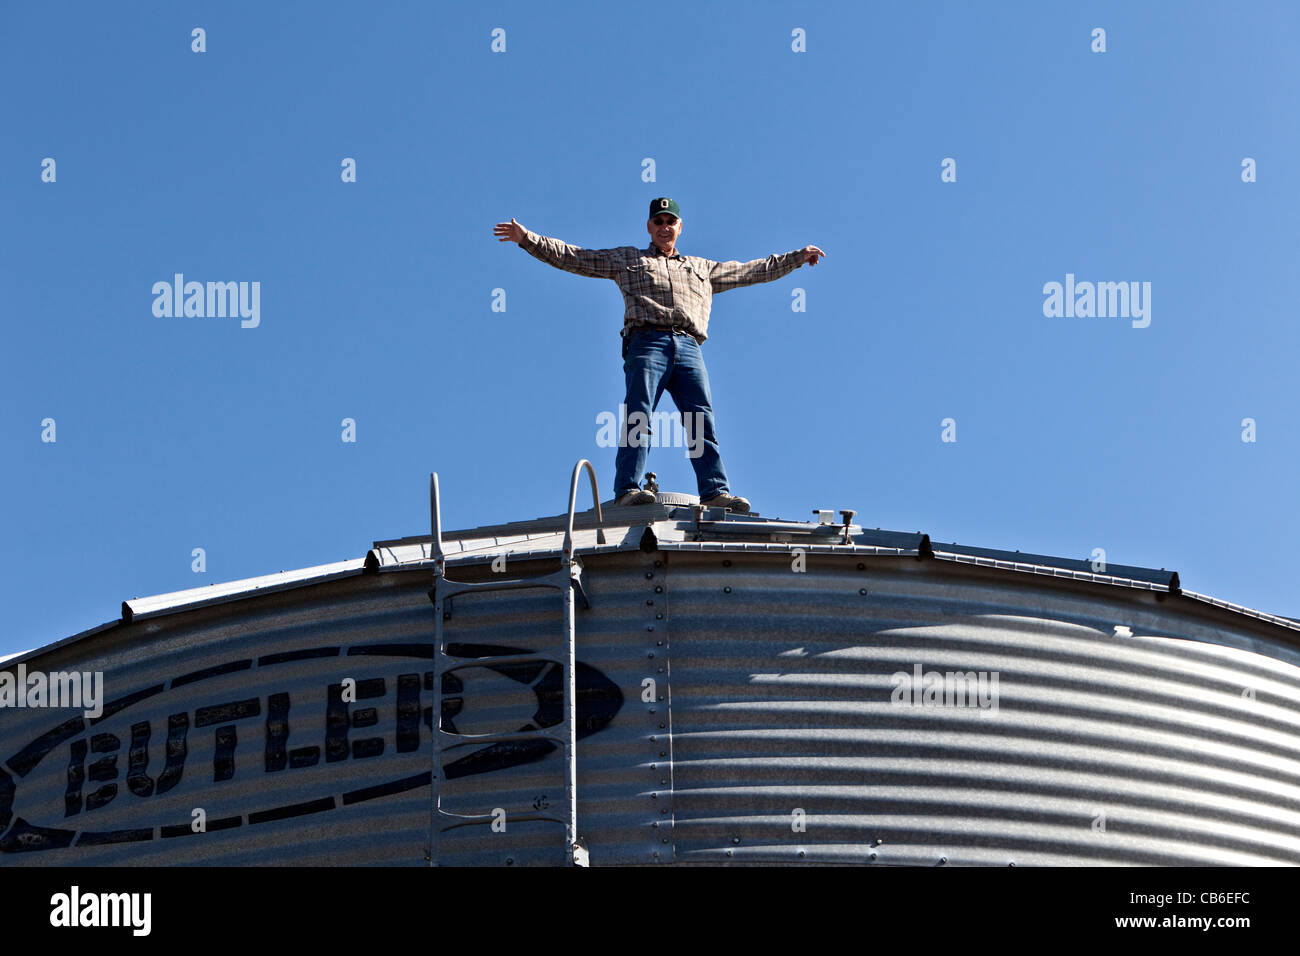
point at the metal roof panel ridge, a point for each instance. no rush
(674, 522)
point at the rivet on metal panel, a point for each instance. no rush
(665, 839)
(663, 753)
(873, 856)
(735, 839)
(659, 564)
(861, 566)
(728, 853)
(654, 796)
(726, 590)
(862, 590)
(653, 766)
(801, 853)
(659, 615)
(510, 861)
(659, 670)
(650, 627)
(655, 824)
(659, 589)
(726, 563)
(652, 710)
(661, 726)
(653, 739)
(659, 643)
(664, 810)
(649, 575)
(650, 654)
(656, 854)
(877, 841)
(943, 860)
(663, 783)
(650, 602)
(1011, 863)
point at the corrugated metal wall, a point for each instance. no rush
(1176, 743)
(1154, 748)
(246, 700)
(243, 700)
(624, 809)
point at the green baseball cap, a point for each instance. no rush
(663, 206)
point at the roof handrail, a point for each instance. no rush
(435, 512)
(573, 499)
(435, 520)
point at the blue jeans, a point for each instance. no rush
(655, 360)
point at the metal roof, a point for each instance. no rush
(674, 523)
(139, 608)
(1170, 716)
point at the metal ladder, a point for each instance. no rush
(566, 579)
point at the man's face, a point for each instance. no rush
(664, 230)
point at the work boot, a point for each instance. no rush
(724, 500)
(635, 497)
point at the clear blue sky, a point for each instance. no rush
(1072, 433)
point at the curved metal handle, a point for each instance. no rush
(435, 518)
(573, 499)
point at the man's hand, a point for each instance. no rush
(813, 254)
(511, 231)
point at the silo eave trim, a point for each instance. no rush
(786, 547)
(1286, 622)
(870, 550)
(1162, 577)
(15, 659)
(417, 554)
(1115, 581)
(1048, 570)
(487, 554)
(614, 517)
(147, 607)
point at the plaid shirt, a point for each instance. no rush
(661, 291)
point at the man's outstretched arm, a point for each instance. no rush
(733, 275)
(596, 263)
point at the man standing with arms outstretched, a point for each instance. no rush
(667, 297)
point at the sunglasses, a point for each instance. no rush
(661, 221)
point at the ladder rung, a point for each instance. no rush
(568, 582)
(459, 740)
(498, 659)
(466, 820)
(557, 579)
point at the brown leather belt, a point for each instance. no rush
(674, 329)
